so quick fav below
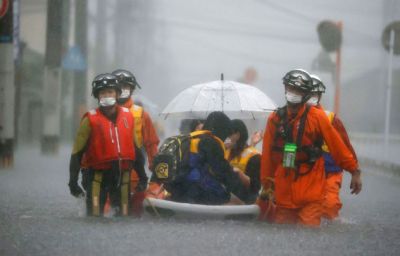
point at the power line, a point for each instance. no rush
(302, 17)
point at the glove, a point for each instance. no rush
(267, 191)
(355, 183)
(75, 190)
(267, 205)
(267, 194)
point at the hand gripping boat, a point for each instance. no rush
(155, 204)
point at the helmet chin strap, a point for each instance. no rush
(305, 98)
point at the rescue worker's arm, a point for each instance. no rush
(340, 153)
(338, 125)
(222, 170)
(150, 138)
(266, 170)
(76, 157)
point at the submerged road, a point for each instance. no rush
(39, 217)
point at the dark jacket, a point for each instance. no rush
(210, 156)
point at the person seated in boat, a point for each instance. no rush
(210, 179)
(244, 159)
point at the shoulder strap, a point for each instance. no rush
(198, 133)
(281, 112)
(302, 125)
(280, 123)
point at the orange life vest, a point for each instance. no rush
(110, 141)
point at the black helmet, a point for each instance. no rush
(318, 85)
(298, 78)
(104, 81)
(126, 77)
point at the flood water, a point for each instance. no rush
(39, 217)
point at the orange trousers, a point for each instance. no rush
(332, 203)
(309, 215)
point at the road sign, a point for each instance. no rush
(74, 59)
(6, 21)
(4, 4)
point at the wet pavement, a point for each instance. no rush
(39, 217)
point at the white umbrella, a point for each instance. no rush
(235, 99)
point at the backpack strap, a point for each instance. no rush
(302, 125)
(282, 123)
(313, 152)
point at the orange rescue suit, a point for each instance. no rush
(332, 203)
(303, 194)
(145, 136)
(145, 133)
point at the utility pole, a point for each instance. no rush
(101, 65)
(7, 88)
(52, 78)
(80, 81)
(19, 48)
(330, 38)
(391, 42)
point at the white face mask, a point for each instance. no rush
(313, 101)
(293, 97)
(107, 101)
(125, 93)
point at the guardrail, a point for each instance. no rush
(371, 147)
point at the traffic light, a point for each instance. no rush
(330, 35)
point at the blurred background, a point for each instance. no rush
(57, 47)
(50, 51)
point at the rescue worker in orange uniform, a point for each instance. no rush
(292, 166)
(146, 138)
(333, 172)
(104, 146)
(244, 159)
